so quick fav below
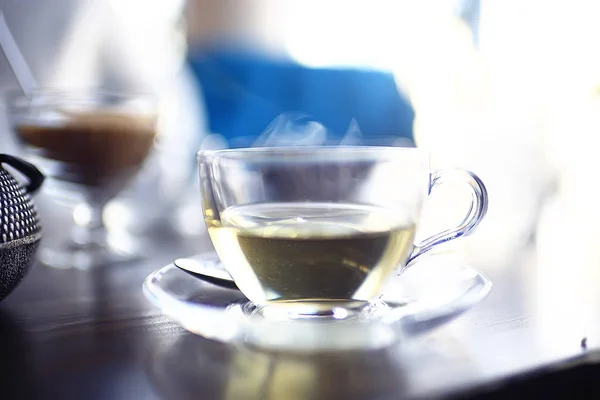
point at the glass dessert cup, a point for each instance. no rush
(90, 144)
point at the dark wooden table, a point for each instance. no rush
(72, 334)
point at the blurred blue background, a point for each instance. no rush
(244, 92)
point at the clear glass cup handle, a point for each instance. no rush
(476, 212)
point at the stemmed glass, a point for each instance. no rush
(91, 144)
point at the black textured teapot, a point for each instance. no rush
(20, 230)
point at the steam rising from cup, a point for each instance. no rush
(299, 129)
(353, 136)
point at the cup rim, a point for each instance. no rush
(251, 152)
(11, 97)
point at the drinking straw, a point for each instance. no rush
(16, 60)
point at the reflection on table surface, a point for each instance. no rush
(194, 365)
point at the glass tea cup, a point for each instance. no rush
(319, 231)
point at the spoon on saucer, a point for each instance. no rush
(211, 271)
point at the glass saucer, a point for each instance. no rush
(430, 293)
